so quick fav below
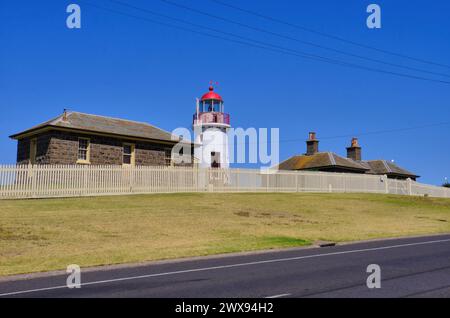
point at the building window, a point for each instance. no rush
(168, 158)
(217, 107)
(215, 159)
(33, 150)
(128, 155)
(83, 150)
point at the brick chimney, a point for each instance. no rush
(64, 118)
(312, 144)
(354, 151)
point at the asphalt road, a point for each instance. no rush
(413, 267)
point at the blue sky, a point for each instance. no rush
(125, 67)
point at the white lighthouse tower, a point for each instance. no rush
(210, 125)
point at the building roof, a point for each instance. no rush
(314, 160)
(101, 124)
(211, 95)
(321, 160)
(386, 167)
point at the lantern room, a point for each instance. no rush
(211, 110)
(211, 102)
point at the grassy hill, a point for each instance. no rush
(41, 235)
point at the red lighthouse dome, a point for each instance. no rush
(211, 95)
(210, 111)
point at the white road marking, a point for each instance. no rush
(278, 296)
(229, 266)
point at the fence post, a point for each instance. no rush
(33, 179)
(409, 183)
(85, 172)
(210, 181)
(345, 183)
(132, 177)
(386, 183)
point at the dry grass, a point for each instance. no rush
(41, 235)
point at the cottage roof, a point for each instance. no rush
(101, 124)
(320, 160)
(386, 167)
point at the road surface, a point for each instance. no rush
(410, 267)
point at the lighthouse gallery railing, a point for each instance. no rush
(211, 118)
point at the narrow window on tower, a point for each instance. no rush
(215, 159)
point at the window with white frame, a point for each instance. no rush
(83, 149)
(128, 154)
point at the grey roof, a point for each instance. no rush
(330, 159)
(102, 124)
(386, 167)
(320, 160)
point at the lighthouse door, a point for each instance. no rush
(215, 159)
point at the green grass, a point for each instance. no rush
(41, 235)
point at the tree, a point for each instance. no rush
(446, 185)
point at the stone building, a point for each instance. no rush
(78, 138)
(315, 160)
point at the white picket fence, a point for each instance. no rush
(46, 181)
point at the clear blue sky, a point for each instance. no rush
(129, 68)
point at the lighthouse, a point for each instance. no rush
(210, 125)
